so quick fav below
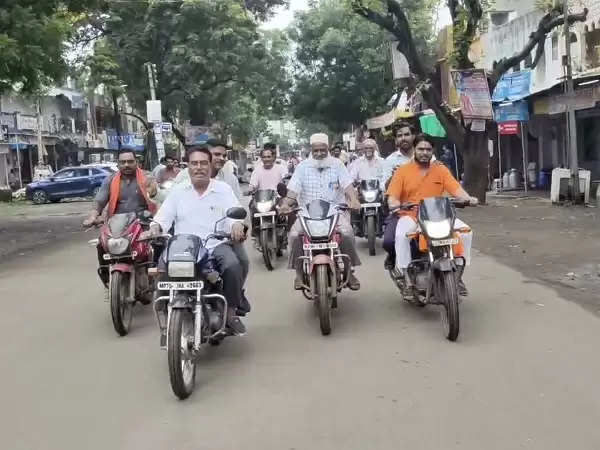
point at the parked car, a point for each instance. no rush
(67, 182)
(108, 165)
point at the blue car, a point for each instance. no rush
(67, 182)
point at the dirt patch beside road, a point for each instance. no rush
(27, 228)
(555, 245)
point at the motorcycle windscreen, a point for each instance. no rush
(369, 185)
(118, 223)
(436, 209)
(264, 195)
(318, 209)
(184, 247)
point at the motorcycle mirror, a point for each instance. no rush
(282, 190)
(237, 213)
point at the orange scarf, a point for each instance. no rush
(115, 191)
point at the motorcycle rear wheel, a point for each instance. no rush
(121, 310)
(449, 313)
(182, 367)
(371, 234)
(323, 299)
(266, 249)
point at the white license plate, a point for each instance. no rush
(268, 213)
(180, 285)
(322, 246)
(370, 205)
(440, 242)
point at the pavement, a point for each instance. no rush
(521, 375)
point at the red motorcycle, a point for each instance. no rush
(128, 259)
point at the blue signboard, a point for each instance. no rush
(513, 86)
(518, 110)
(129, 141)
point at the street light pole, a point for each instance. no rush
(571, 123)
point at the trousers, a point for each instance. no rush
(347, 246)
(407, 224)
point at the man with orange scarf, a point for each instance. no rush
(126, 191)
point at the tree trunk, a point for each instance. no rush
(476, 162)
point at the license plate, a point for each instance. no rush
(370, 205)
(440, 242)
(268, 213)
(322, 246)
(180, 285)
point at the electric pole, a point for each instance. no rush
(571, 123)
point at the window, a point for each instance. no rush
(554, 47)
(82, 172)
(96, 172)
(65, 173)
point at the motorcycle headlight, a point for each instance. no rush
(117, 246)
(318, 228)
(437, 230)
(263, 207)
(369, 196)
(181, 269)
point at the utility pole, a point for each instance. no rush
(40, 152)
(151, 79)
(571, 124)
(117, 118)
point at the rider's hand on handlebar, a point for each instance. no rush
(153, 232)
(473, 201)
(284, 209)
(92, 220)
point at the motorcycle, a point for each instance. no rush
(194, 312)
(369, 221)
(436, 265)
(272, 228)
(326, 270)
(128, 259)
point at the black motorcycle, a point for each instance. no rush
(271, 228)
(435, 268)
(194, 311)
(369, 221)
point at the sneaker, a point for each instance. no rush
(245, 307)
(353, 282)
(236, 326)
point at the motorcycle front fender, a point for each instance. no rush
(181, 302)
(319, 260)
(121, 267)
(444, 265)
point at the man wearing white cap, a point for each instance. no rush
(326, 178)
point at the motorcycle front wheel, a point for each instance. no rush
(121, 309)
(266, 249)
(371, 234)
(449, 312)
(323, 300)
(182, 368)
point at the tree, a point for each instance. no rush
(342, 71)
(210, 57)
(466, 16)
(33, 35)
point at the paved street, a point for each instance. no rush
(522, 375)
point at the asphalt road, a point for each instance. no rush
(522, 374)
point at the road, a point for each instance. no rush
(522, 374)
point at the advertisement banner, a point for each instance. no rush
(513, 86)
(518, 110)
(474, 93)
(382, 121)
(129, 141)
(196, 134)
(506, 128)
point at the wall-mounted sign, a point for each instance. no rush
(505, 128)
(474, 93)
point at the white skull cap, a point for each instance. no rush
(319, 138)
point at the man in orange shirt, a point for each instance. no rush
(412, 183)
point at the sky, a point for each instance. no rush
(284, 16)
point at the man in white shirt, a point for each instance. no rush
(326, 178)
(370, 166)
(194, 209)
(404, 135)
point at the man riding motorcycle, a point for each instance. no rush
(321, 177)
(195, 209)
(370, 166)
(413, 182)
(169, 172)
(266, 176)
(128, 190)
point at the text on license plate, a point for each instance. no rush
(268, 213)
(180, 285)
(370, 205)
(321, 246)
(440, 242)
